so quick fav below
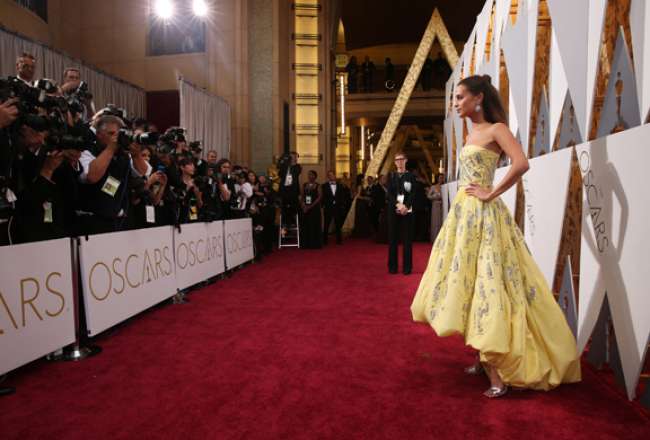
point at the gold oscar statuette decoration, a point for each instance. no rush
(435, 27)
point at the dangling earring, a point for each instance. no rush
(477, 108)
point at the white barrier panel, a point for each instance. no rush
(124, 273)
(36, 301)
(238, 236)
(453, 190)
(198, 252)
(546, 186)
(444, 191)
(509, 198)
(614, 171)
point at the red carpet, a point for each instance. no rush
(307, 344)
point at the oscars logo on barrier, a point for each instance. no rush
(30, 291)
(121, 270)
(198, 252)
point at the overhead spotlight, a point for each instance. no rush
(164, 9)
(200, 8)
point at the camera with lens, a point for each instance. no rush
(82, 93)
(113, 110)
(137, 190)
(174, 134)
(29, 99)
(126, 137)
(61, 136)
(165, 148)
(284, 160)
(195, 146)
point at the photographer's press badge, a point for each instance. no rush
(47, 212)
(193, 213)
(110, 186)
(151, 214)
(308, 200)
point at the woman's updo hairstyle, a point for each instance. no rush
(492, 107)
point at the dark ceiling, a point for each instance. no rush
(376, 22)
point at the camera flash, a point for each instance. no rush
(200, 8)
(164, 8)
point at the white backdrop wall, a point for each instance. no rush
(615, 245)
(106, 89)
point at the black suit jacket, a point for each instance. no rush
(294, 188)
(378, 196)
(401, 184)
(338, 202)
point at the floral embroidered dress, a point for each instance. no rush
(482, 282)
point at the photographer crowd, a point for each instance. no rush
(66, 170)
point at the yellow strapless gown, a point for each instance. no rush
(482, 282)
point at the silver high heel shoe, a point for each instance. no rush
(494, 392)
(474, 370)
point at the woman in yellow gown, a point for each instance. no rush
(481, 281)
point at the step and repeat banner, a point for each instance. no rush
(122, 274)
(36, 301)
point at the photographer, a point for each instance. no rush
(264, 200)
(44, 179)
(8, 114)
(145, 196)
(107, 166)
(242, 195)
(209, 187)
(226, 187)
(74, 87)
(191, 199)
(200, 164)
(25, 68)
(289, 187)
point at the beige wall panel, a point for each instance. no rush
(98, 46)
(98, 14)
(130, 43)
(129, 12)
(131, 71)
(159, 71)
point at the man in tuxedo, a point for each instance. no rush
(401, 220)
(336, 200)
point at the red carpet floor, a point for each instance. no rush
(307, 344)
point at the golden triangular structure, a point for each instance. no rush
(436, 27)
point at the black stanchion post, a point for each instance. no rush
(81, 349)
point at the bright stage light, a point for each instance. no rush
(164, 9)
(200, 8)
